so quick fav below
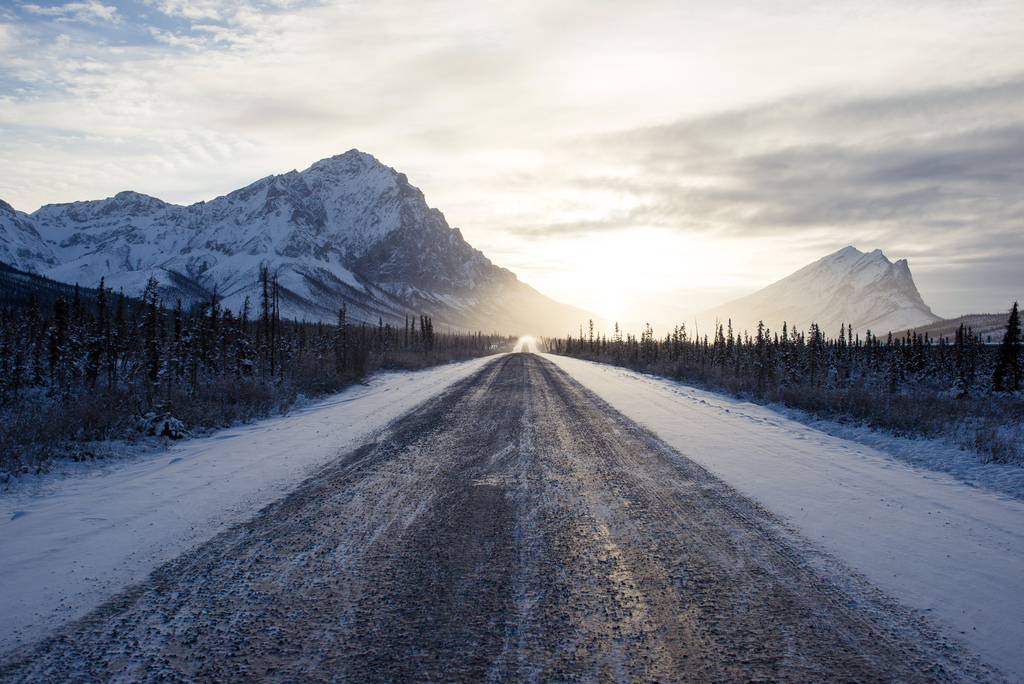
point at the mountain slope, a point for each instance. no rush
(991, 327)
(21, 246)
(864, 291)
(348, 230)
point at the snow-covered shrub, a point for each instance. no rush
(164, 425)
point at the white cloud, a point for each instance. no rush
(8, 42)
(195, 9)
(92, 12)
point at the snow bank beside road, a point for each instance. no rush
(74, 543)
(950, 550)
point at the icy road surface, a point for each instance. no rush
(69, 542)
(516, 528)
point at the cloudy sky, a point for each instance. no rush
(644, 159)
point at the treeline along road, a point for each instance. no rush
(514, 529)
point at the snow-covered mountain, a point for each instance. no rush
(21, 246)
(348, 230)
(865, 291)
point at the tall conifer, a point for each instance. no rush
(1007, 373)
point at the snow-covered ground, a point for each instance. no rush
(67, 543)
(949, 549)
(938, 544)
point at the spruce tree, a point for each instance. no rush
(152, 334)
(266, 308)
(58, 342)
(962, 382)
(98, 337)
(341, 342)
(1007, 373)
(761, 361)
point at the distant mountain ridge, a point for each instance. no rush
(851, 288)
(348, 230)
(989, 327)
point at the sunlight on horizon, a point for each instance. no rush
(613, 274)
(526, 345)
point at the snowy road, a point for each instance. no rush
(516, 528)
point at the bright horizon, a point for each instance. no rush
(643, 161)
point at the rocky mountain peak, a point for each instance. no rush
(848, 287)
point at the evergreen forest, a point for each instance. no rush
(959, 388)
(84, 371)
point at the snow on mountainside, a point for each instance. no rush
(21, 245)
(864, 291)
(991, 327)
(348, 230)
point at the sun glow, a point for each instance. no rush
(614, 274)
(525, 345)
